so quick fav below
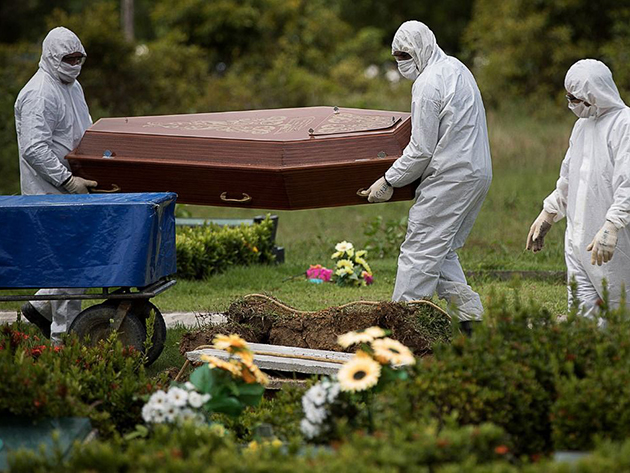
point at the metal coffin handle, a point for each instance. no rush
(245, 199)
(114, 188)
(363, 192)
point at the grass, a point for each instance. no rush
(527, 152)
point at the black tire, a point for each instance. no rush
(94, 323)
(143, 310)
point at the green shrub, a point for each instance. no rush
(384, 237)
(105, 382)
(211, 249)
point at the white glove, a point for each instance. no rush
(380, 191)
(538, 230)
(78, 185)
(603, 245)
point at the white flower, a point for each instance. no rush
(316, 415)
(317, 394)
(159, 415)
(344, 246)
(333, 392)
(142, 49)
(309, 430)
(171, 412)
(158, 398)
(177, 396)
(196, 400)
(147, 413)
(189, 386)
(188, 415)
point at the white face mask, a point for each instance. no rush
(581, 110)
(68, 73)
(408, 69)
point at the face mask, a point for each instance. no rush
(408, 69)
(582, 111)
(68, 73)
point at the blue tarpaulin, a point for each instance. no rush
(91, 240)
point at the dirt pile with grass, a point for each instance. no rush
(263, 319)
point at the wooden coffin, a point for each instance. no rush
(283, 159)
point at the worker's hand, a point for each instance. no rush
(78, 185)
(380, 191)
(603, 245)
(538, 230)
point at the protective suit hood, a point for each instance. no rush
(591, 80)
(417, 40)
(59, 42)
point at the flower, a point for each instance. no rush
(177, 396)
(367, 277)
(309, 430)
(228, 342)
(252, 374)
(353, 338)
(360, 373)
(158, 398)
(197, 400)
(326, 274)
(316, 394)
(230, 366)
(315, 415)
(344, 246)
(393, 352)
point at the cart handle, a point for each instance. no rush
(114, 188)
(246, 198)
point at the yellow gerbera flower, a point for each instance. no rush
(360, 373)
(345, 263)
(230, 366)
(361, 253)
(225, 342)
(353, 338)
(393, 352)
(336, 254)
(361, 336)
(252, 374)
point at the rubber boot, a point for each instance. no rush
(31, 314)
(467, 327)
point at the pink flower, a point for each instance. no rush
(367, 277)
(326, 274)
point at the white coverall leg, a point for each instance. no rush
(594, 184)
(449, 155)
(51, 116)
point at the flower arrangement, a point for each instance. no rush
(175, 405)
(351, 268)
(378, 360)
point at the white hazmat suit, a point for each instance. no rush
(449, 153)
(594, 183)
(51, 116)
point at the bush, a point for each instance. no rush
(104, 382)
(211, 249)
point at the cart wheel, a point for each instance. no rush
(142, 309)
(94, 322)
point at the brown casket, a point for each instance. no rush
(283, 159)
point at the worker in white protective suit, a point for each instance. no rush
(51, 116)
(593, 190)
(449, 155)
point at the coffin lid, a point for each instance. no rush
(288, 124)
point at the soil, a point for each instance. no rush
(267, 320)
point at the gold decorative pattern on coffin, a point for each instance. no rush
(253, 126)
(351, 122)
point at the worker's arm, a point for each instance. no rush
(425, 128)
(38, 119)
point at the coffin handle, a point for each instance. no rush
(114, 188)
(363, 192)
(246, 198)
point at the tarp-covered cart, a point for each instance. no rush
(123, 244)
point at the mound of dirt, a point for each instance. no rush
(262, 319)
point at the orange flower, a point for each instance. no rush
(252, 374)
(230, 366)
(501, 450)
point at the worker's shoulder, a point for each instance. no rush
(39, 90)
